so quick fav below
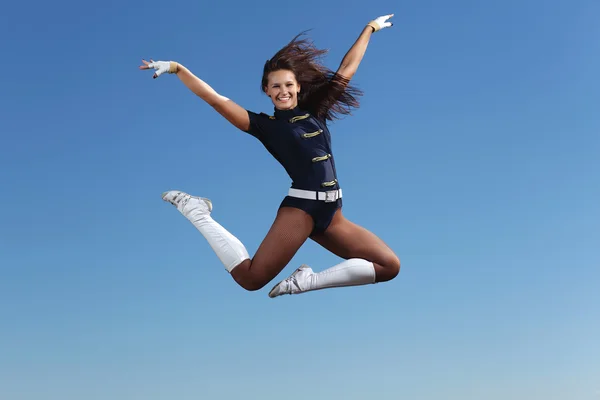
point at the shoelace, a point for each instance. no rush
(184, 201)
(176, 200)
(289, 281)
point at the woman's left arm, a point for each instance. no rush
(354, 56)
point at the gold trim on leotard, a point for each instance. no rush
(312, 134)
(321, 158)
(299, 118)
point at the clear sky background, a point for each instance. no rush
(475, 155)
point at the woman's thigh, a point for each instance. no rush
(347, 239)
(289, 231)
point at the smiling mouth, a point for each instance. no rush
(286, 98)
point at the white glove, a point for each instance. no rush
(381, 22)
(162, 66)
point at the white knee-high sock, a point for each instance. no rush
(228, 248)
(351, 272)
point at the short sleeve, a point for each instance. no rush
(257, 125)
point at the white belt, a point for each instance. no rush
(328, 196)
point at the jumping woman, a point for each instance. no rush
(305, 95)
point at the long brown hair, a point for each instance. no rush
(323, 93)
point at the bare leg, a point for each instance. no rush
(367, 260)
(348, 240)
(289, 231)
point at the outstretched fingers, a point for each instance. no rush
(382, 22)
(145, 66)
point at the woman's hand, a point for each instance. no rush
(381, 22)
(160, 66)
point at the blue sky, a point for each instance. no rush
(474, 155)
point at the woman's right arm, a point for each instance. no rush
(234, 113)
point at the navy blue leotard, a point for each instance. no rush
(301, 143)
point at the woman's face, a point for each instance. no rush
(283, 89)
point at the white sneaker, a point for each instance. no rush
(294, 284)
(186, 203)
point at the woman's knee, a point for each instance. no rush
(253, 286)
(250, 280)
(390, 267)
(394, 265)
